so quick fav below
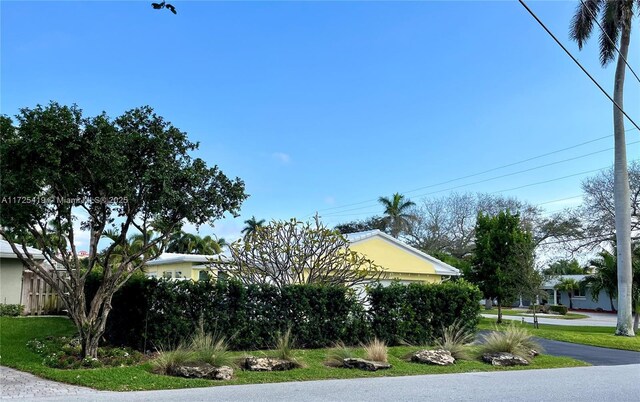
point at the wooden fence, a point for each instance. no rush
(38, 297)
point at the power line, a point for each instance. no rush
(595, 19)
(478, 173)
(479, 181)
(578, 63)
(499, 191)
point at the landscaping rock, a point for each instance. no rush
(504, 359)
(438, 357)
(267, 364)
(366, 365)
(533, 353)
(223, 373)
(204, 370)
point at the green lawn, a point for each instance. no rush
(523, 313)
(595, 336)
(15, 332)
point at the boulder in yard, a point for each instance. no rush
(366, 365)
(267, 364)
(504, 359)
(533, 353)
(439, 357)
(204, 370)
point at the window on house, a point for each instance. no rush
(178, 274)
(167, 274)
(578, 292)
(203, 275)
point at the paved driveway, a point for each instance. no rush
(590, 354)
(596, 383)
(594, 320)
(16, 384)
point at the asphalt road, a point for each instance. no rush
(595, 383)
(590, 354)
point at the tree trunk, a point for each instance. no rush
(635, 322)
(570, 301)
(611, 302)
(621, 195)
(91, 324)
(499, 311)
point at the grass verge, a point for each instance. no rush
(594, 336)
(15, 332)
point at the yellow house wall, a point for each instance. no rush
(184, 267)
(399, 263)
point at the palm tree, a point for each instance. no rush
(188, 243)
(615, 20)
(396, 215)
(568, 285)
(251, 226)
(604, 278)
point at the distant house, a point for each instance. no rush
(581, 299)
(400, 261)
(12, 273)
(179, 266)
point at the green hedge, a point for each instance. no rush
(150, 313)
(11, 310)
(416, 313)
(562, 310)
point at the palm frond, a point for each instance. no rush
(610, 21)
(583, 20)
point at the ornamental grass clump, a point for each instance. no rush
(168, 360)
(515, 340)
(284, 348)
(211, 348)
(456, 339)
(337, 354)
(376, 350)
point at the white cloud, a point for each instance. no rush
(281, 157)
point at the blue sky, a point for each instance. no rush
(320, 105)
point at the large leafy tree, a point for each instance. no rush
(63, 172)
(293, 252)
(397, 215)
(501, 255)
(615, 18)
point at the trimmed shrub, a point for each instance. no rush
(11, 310)
(416, 313)
(151, 314)
(562, 310)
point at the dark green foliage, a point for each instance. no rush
(11, 310)
(503, 253)
(372, 223)
(416, 313)
(150, 313)
(562, 310)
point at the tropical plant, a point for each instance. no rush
(455, 339)
(604, 278)
(568, 285)
(188, 243)
(616, 17)
(210, 348)
(251, 226)
(376, 350)
(396, 213)
(514, 339)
